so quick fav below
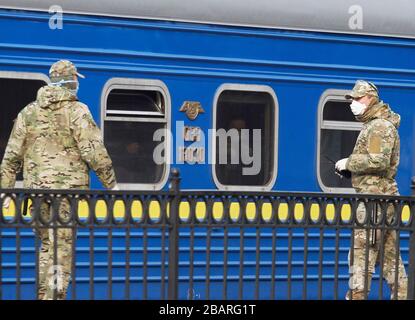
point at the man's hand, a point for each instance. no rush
(341, 164)
(341, 169)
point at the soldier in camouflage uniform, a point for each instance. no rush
(373, 165)
(56, 141)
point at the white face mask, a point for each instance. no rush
(74, 91)
(358, 108)
(73, 85)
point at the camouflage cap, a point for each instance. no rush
(63, 69)
(362, 88)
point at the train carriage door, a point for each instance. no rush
(17, 89)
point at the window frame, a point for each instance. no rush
(145, 85)
(332, 95)
(248, 88)
(24, 76)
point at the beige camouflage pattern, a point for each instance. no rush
(375, 157)
(373, 164)
(56, 140)
(54, 277)
(362, 247)
(63, 69)
(362, 88)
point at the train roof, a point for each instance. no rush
(379, 17)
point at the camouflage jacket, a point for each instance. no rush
(56, 141)
(375, 157)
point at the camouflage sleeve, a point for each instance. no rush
(13, 155)
(91, 146)
(377, 156)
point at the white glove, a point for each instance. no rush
(341, 164)
(115, 188)
(6, 201)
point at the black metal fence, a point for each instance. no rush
(205, 245)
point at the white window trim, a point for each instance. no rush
(336, 95)
(251, 88)
(24, 76)
(148, 85)
(136, 113)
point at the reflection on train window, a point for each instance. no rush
(15, 94)
(338, 133)
(132, 117)
(143, 102)
(239, 161)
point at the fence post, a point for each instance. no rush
(411, 267)
(173, 281)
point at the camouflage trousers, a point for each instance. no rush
(358, 256)
(54, 276)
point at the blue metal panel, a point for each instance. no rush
(154, 259)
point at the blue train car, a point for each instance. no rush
(193, 68)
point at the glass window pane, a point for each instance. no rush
(15, 95)
(135, 100)
(338, 111)
(131, 146)
(335, 145)
(245, 110)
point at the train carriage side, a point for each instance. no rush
(141, 75)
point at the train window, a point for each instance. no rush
(16, 90)
(338, 131)
(245, 145)
(133, 111)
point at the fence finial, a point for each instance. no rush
(174, 178)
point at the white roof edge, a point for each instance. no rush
(369, 17)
